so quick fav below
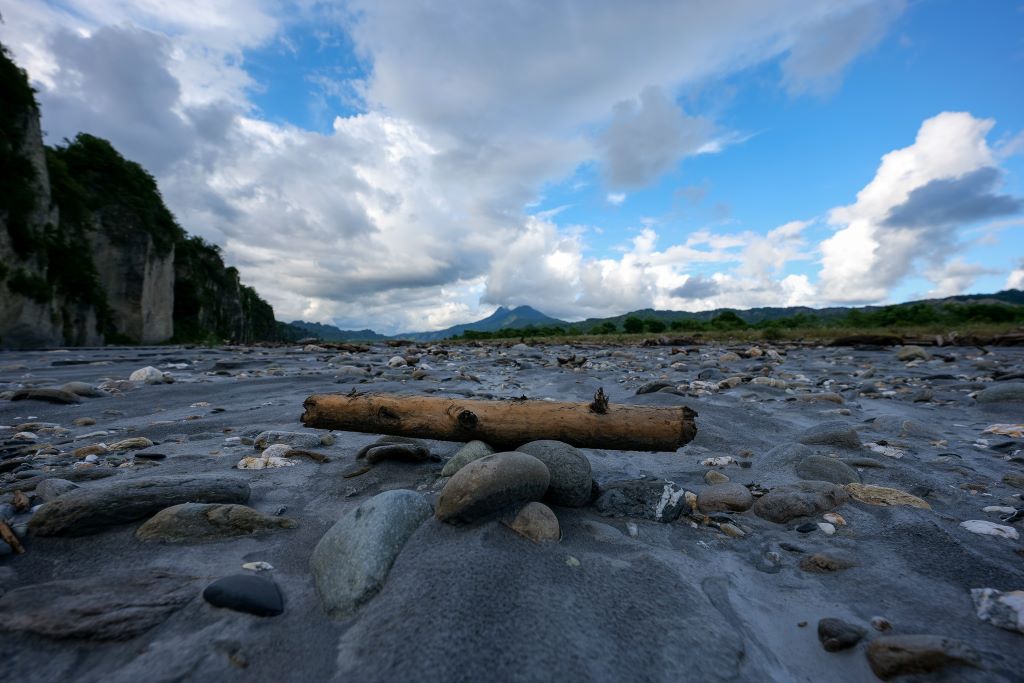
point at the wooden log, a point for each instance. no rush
(7, 535)
(505, 424)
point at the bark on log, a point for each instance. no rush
(504, 424)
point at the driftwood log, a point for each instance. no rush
(505, 424)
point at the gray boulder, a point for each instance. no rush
(1003, 392)
(91, 510)
(571, 481)
(831, 433)
(491, 483)
(293, 439)
(799, 500)
(824, 468)
(352, 560)
(655, 499)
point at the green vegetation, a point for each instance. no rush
(17, 174)
(910, 319)
(122, 193)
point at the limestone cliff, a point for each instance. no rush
(89, 253)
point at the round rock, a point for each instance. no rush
(246, 593)
(824, 468)
(729, 497)
(536, 522)
(571, 481)
(491, 483)
(474, 450)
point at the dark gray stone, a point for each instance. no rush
(1003, 392)
(108, 607)
(823, 468)
(293, 439)
(831, 433)
(51, 488)
(94, 509)
(571, 480)
(799, 500)
(655, 499)
(48, 395)
(836, 634)
(247, 593)
(352, 560)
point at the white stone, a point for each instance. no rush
(276, 450)
(397, 362)
(720, 461)
(981, 526)
(258, 566)
(1001, 509)
(829, 529)
(148, 375)
(1005, 610)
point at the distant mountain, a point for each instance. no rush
(522, 316)
(503, 318)
(330, 333)
(756, 315)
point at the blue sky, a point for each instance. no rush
(407, 166)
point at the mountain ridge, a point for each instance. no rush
(521, 316)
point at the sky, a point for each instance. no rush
(407, 165)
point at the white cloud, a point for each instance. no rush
(1015, 280)
(406, 215)
(911, 211)
(616, 198)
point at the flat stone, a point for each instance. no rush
(400, 452)
(1003, 392)
(536, 522)
(247, 593)
(352, 560)
(94, 509)
(883, 495)
(655, 499)
(294, 439)
(892, 656)
(824, 468)
(730, 497)
(571, 482)
(208, 522)
(801, 499)
(987, 528)
(836, 634)
(491, 483)
(473, 450)
(108, 607)
(832, 433)
(82, 389)
(47, 395)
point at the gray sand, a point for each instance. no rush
(677, 601)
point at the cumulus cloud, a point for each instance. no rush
(411, 213)
(911, 211)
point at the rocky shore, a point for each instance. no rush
(844, 514)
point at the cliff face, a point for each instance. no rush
(89, 253)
